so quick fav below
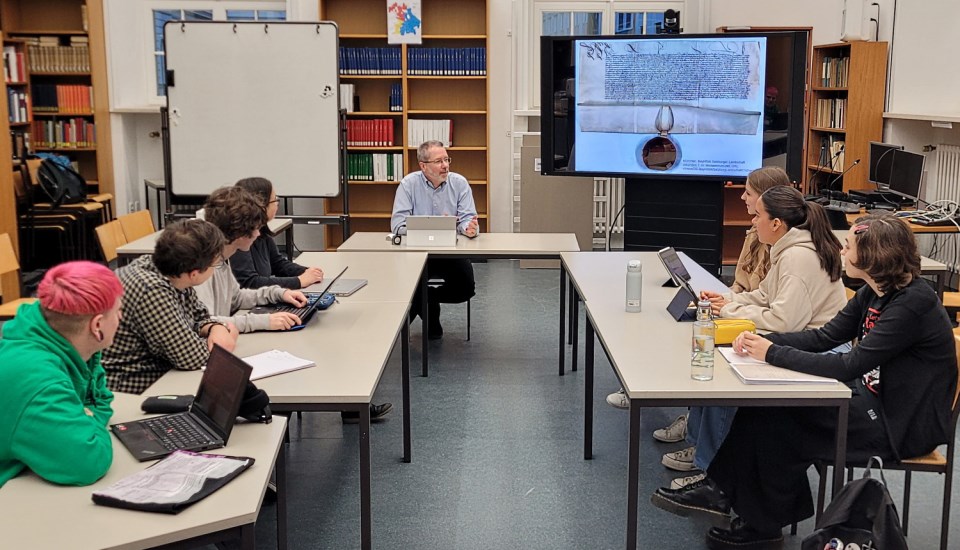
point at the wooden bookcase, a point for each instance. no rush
(66, 21)
(462, 99)
(859, 90)
(736, 222)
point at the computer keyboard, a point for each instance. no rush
(312, 298)
(176, 432)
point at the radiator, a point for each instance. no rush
(607, 202)
(947, 187)
(948, 172)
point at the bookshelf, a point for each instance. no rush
(736, 222)
(62, 42)
(846, 108)
(463, 99)
(9, 282)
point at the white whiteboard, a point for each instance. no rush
(924, 79)
(253, 99)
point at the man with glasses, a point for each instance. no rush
(164, 325)
(436, 191)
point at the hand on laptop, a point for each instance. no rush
(294, 297)
(283, 320)
(472, 228)
(226, 336)
(717, 301)
(311, 276)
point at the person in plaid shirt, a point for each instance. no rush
(164, 325)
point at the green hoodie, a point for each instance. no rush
(45, 386)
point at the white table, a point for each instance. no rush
(650, 354)
(487, 246)
(38, 514)
(145, 245)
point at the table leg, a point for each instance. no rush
(570, 298)
(563, 297)
(588, 391)
(281, 478)
(575, 323)
(146, 199)
(288, 234)
(940, 276)
(424, 315)
(405, 383)
(365, 520)
(248, 537)
(633, 475)
(840, 460)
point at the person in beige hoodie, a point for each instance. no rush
(801, 290)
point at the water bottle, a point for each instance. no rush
(634, 285)
(704, 336)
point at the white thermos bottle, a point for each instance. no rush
(634, 285)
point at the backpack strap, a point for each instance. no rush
(879, 461)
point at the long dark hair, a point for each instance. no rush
(787, 203)
(261, 187)
(759, 181)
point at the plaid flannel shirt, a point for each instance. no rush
(159, 331)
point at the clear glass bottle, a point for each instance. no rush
(704, 336)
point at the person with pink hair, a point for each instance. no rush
(54, 390)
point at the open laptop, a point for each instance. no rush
(305, 313)
(208, 423)
(431, 231)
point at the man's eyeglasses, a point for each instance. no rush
(218, 261)
(438, 162)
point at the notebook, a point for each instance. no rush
(431, 231)
(208, 423)
(753, 371)
(306, 312)
(274, 362)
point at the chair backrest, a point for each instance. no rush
(9, 264)
(136, 224)
(850, 293)
(110, 236)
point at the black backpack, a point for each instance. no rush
(862, 515)
(61, 184)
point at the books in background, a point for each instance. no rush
(68, 133)
(831, 113)
(376, 132)
(447, 61)
(21, 144)
(421, 130)
(63, 98)
(18, 106)
(375, 166)
(835, 72)
(396, 98)
(13, 67)
(832, 152)
(46, 55)
(369, 61)
(346, 96)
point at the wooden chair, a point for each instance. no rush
(136, 225)
(8, 263)
(110, 236)
(933, 462)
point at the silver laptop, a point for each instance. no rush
(431, 231)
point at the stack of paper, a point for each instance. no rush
(273, 362)
(753, 371)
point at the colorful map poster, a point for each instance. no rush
(403, 22)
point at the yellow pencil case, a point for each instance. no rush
(729, 329)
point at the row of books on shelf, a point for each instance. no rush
(21, 144)
(62, 98)
(14, 69)
(59, 59)
(834, 72)
(831, 153)
(347, 91)
(831, 113)
(447, 61)
(69, 133)
(370, 61)
(421, 130)
(374, 132)
(351, 103)
(375, 166)
(396, 98)
(18, 106)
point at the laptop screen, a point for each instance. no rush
(678, 272)
(221, 390)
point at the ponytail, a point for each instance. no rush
(827, 244)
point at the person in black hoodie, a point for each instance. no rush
(902, 374)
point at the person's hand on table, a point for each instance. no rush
(753, 345)
(312, 275)
(717, 301)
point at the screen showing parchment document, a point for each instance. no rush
(691, 107)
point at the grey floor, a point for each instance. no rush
(497, 448)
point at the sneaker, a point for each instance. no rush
(377, 412)
(673, 433)
(681, 461)
(681, 482)
(619, 399)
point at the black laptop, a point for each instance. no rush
(305, 313)
(208, 423)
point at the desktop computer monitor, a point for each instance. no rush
(881, 163)
(906, 173)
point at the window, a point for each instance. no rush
(634, 22)
(162, 16)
